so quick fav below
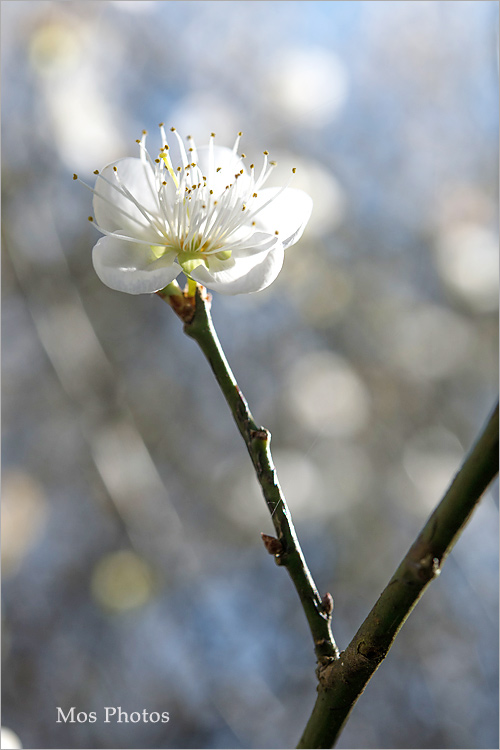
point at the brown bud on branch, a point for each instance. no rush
(327, 603)
(273, 545)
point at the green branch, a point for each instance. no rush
(342, 681)
(343, 678)
(195, 313)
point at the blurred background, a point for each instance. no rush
(133, 570)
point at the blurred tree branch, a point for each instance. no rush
(194, 311)
(343, 680)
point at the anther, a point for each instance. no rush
(240, 133)
(144, 132)
(266, 153)
(163, 183)
(276, 232)
(190, 149)
(157, 161)
(243, 207)
(90, 218)
(294, 169)
(252, 166)
(172, 129)
(75, 176)
(243, 156)
(212, 135)
(272, 163)
(193, 163)
(218, 169)
(115, 169)
(137, 140)
(254, 195)
(96, 171)
(161, 124)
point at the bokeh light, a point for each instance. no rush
(122, 581)
(24, 515)
(10, 740)
(327, 396)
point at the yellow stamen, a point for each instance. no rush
(168, 165)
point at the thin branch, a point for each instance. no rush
(342, 681)
(195, 313)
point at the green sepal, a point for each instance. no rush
(190, 261)
(171, 290)
(223, 255)
(159, 250)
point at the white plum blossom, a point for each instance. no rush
(194, 210)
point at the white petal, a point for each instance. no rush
(258, 242)
(216, 265)
(288, 213)
(250, 274)
(132, 268)
(230, 165)
(114, 211)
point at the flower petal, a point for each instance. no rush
(128, 267)
(230, 165)
(249, 274)
(113, 210)
(288, 213)
(258, 242)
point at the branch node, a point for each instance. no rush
(184, 304)
(427, 567)
(327, 604)
(273, 545)
(260, 434)
(371, 652)
(322, 670)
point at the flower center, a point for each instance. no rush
(203, 220)
(193, 256)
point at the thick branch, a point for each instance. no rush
(195, 312)
(343, 681)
